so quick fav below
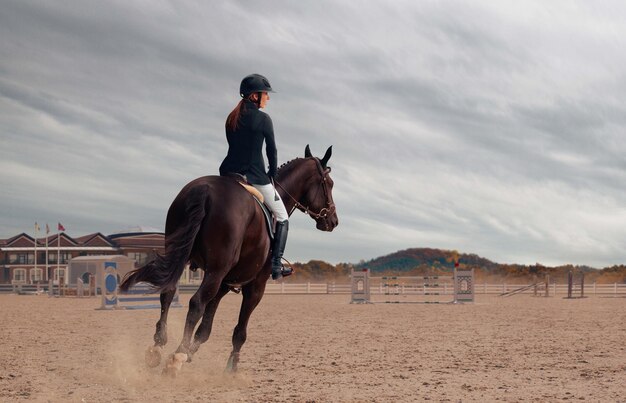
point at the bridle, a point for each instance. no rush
(325, 211)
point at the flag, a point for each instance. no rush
(37, 229)
(60, 227)
(47, 229)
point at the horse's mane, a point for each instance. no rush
(288, 162)
(285, 169)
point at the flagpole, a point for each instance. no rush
(47, 261)
(59, 255)
(36, 230)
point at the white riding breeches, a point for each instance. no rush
(270, 195)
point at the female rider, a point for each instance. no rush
(246, 129)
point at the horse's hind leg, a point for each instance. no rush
(252, 294)
(153, 354)
(204, 330)
(197, 304)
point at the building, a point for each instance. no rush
(24, 260)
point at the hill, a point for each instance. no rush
(425, 258)
(429, 261)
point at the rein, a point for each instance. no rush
(325, 211)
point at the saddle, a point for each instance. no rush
(258, 197)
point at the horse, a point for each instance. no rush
(214, 224)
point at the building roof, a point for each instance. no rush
(137, 229)
(95, 239)
(20, 240)
(91, 242)
(65, 239)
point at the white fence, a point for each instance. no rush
(615, 289)
(591, 289)
(308, 288)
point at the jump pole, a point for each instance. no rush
(395, 286)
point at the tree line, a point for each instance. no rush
(428, 261)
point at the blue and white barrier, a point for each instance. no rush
(140, 296)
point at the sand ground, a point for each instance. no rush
(320, 348)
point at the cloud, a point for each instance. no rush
(488, 128)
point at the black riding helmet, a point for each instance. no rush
(254, 83)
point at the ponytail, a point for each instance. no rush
(233, 117)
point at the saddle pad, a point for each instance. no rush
(258, 197)
(253, 191)
(269, 219)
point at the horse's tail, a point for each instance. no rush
(164, 271)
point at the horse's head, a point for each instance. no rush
(311, 189)
(319, 194)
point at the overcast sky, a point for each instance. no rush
(495, 128)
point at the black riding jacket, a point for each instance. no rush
(245, 146)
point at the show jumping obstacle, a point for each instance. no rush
(540, 288)
(460, 285)
(138, 297)
(64, 290)
(89, 290)
(57, 290)
(361, 287)
(396, 287)
(575, 288)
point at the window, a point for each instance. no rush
(19, 275)
(22, 258)
(36, 275)
(65, 257)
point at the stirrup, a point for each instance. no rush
(282, 271)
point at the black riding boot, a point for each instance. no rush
(280, 240)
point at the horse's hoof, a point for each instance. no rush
(231, 365)
(174, 364)
(153, 356)
(169, 372)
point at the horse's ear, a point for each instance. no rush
(324, 160)
(307, 152)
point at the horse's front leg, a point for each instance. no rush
(252, 294)
(153, 353)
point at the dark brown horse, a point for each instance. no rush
(215, 225)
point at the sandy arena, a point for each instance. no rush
(322, 349)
